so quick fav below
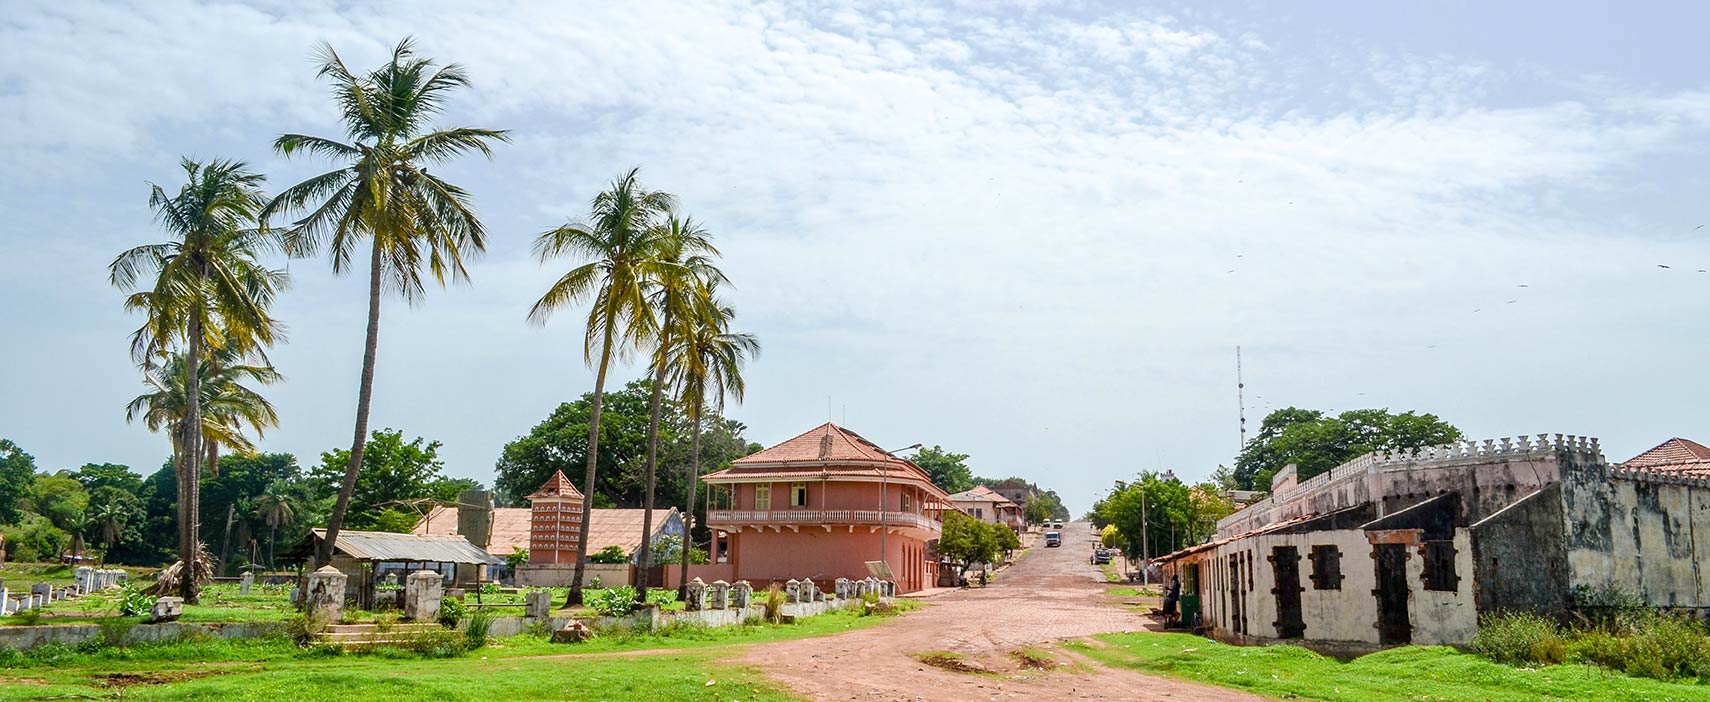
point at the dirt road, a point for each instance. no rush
(1049, 595)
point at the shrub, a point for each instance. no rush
(615, 602)
(774, 603)
(610, 555)
(489, 588)
(479, 629)
(134, 602)
(1610, 608)
(1663, 647)
(661, 597)
(451, 610)
(1520, 638)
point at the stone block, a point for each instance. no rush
(166, 609)
(841, 587)
(793, 591)
(537, 604)
(741, 594)
(809, 591)
(573, 632)
(245, 582)
(695, 596)
(423, 591)
(323, 598)
(718, 594)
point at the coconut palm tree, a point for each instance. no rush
(382, 193)
(277, 509)
(621, 239)
(679, 285)
(207, 290)
(109, 519)
(707, 368)
(229, 405)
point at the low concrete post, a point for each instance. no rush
(244, 582)
(841, 587)
(792, 591)
(323, 598)
(166, 609)
(718, 594)
(5, 599)
(695, 598)
(81, 578)
(423, 591)
(741, 594)
(537, 605)
(41, 590)
(809, 590)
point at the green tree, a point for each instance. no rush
(115, 514)
(393, 471)
(678, 295)
(707, 369)
(94, 475)
(206, 290)
(277, 508)
(620, 241)
(966, 541)
(17, 475)
(383, 193)
(949, 471)
(1315, 443)
(62, 501)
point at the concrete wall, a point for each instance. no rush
(74, 634)
(762, 557)
(1639, 532)
(1521, 559)
(561, 574)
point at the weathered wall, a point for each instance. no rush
(74, 634)
(1521, 558)
(561, 574)
(1639, 532)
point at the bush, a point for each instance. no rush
(661, 597)
(610, 555)
(479, 629)
(615, 602)
(1520, 638)
(451, 610)
(1664, 647)
(774, 603)
(134, 602)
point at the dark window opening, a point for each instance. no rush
(1440, 566)
(1326, 568)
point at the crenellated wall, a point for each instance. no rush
(1644, 532)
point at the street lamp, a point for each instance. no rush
(884, 487)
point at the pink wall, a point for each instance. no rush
(766, 556)
(832, 494)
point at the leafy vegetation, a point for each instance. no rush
(1158, 514)
(1436, 673)
(1642, 643)
(968, 541)
(1315, 443)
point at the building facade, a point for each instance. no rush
(1412, 547)
(823, 505)
(987, 505)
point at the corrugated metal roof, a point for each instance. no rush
(387, 546)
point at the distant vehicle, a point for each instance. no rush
(1053, 539)
(1101, 556)
(1058, 524)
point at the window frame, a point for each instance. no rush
(799, 494)
(762, 497)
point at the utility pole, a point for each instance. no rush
(1145, 543)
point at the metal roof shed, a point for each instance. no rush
(359, 554)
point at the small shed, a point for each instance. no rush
(371, 558)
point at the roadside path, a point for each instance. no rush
(1051, 594)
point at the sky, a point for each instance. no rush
(1030, 232)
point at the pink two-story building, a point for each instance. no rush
(822, 505)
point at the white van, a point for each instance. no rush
(1053, 538)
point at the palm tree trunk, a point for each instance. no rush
(272, 531)
(689, 507)
(593, 463)
(226, 544)
(644, 559)
(189, 480)
(323, 555)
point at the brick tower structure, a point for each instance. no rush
(555, 526)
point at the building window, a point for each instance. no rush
(1440, 566)
(906, 507)
(798, 495)
(762, 497)
(1326, 568)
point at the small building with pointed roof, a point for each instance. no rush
(555, 522)
(823, 505)
(1676, 455)
(987, 505)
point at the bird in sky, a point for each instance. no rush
(1523, 285)
(1661, 266)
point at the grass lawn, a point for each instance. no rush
(1434, 673)
(523, 667)
(20, 576)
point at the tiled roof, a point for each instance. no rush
(556, 486)
(823, 452)
(387, 546)
(981, 493)
(610, 527)
(1673, 454)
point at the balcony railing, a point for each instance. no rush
(799, 517)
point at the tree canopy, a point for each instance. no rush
(392, 470)
(949, 470)
(1158, 514)
(1315, 442)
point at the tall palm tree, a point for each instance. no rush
(679, 285)
(707, 368)
(384, 194)
(229, 405)
(207, 290)
(109, 521)
(621, 237)
(276, 509)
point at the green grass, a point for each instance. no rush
(20, 576)
(473, 677)
(1434, 673)
(1122, 592)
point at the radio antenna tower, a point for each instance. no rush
(1240, 398)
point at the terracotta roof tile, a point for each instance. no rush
(981, 493)
(556, 486)
(1676, 454)
(824, 451)
(610, 527)
(826, 442)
